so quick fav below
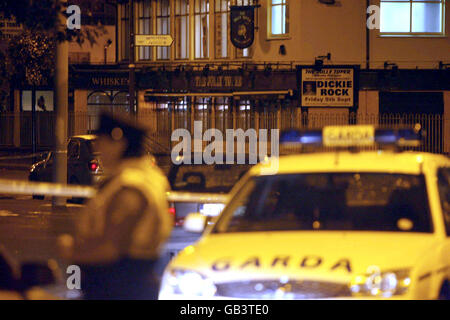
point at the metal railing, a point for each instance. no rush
(16, 129)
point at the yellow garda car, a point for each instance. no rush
(330, 225)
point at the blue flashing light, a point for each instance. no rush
(301, 137)
(400, 137)
(346, 136)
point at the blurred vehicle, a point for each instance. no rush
(203, 178)
(24, 282)
(345, 224)
(83, 164)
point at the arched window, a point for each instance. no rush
(120, 102)
(99, 101)
(110, 101)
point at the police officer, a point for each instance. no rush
(121, 230)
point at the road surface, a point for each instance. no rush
(29, 229)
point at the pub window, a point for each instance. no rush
(222, 103)
(97, 102)
(412, 17)
(125, 32)
(43, 100)
(244, 105)
(163, 26)
(120, 101)
(162, 105)
(222, 27)
(201, 17)
(247, 52)
(182, 29)
(145, 27)
(181, 104)
(278, 19)
(182, 116)
(201, 104)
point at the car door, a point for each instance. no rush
(46, 173)
(444, 196)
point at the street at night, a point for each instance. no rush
(30, 229)
(174, 151)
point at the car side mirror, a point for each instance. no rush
(194, 180)
(195, 222)
(36, 274)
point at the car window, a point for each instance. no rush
(92, 145)
(209, 178)
(330, 201)
(73, 150)
(444, 195)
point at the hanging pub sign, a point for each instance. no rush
(242, 31)
(327, 86)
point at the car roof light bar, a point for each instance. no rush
(353, 136)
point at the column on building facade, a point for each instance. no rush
(446, 122)
(17, 114)
(80, 112)
(369, 105)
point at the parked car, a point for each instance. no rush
(203, 178)
(83, 164)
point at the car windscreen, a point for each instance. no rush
(329, 201)
(214, 178)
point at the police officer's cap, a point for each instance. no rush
(119, 127)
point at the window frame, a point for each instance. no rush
(410, 33)
(124, 32)
(202, 14)
(281, 36)
(187, 16)
(217, 19)
(160, 16)
(142, 18)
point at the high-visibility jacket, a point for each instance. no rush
(145, 238)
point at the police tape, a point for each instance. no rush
(19, 187)
(28, 156)
(192, 197)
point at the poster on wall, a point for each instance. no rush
(329, 86)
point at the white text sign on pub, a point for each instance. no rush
(153, 40)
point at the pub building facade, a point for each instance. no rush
(392, 63)
(304, 64)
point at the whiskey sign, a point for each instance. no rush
(109, 82)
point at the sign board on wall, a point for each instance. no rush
(9, 28)
(329, 86)
(242, 30)
(153, 40)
